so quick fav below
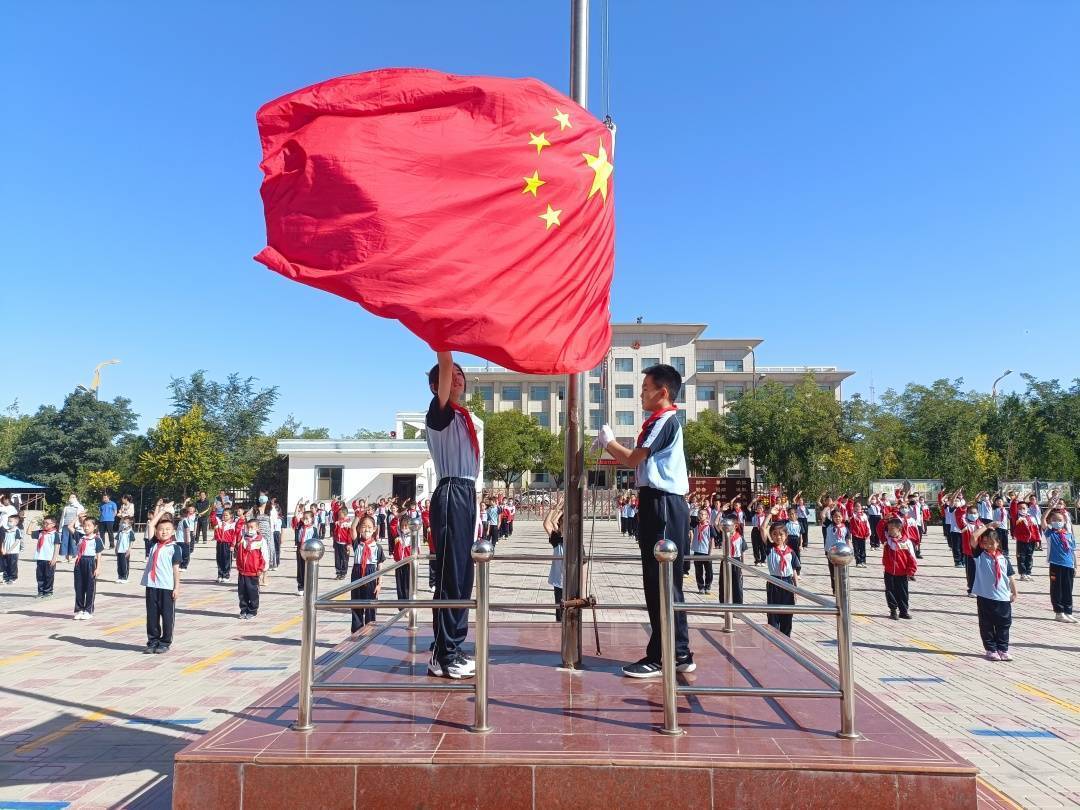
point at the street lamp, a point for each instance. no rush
(993, 388)
(753, 369)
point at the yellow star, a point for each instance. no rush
(562, 118)
(532, 183)
(602, 168)
(551, 216)
(539, 141)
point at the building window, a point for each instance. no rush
(540, 478)
(646, 362)
(596, 418)
(487, 392)
(539, 393)
(733, 393)
(733, 365)
(679, 364)
(511, 393)
(828, 389)
(327, 483)
(681, 416)
(706, 393)
(736, 472)
(624, 364)
(562, 392)
(596, 393)
(624, 417)
(562, 419)
(596, 372)
(682, 394)
(706, 365)
(624, 392)
(542, 419)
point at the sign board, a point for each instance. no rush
(1042, 489)
(927, 487)
(725, 487)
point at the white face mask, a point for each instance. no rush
(252, 532)
(367, 534)
(1057, 524)
(307, 521)
(12, 525)
(125, 526)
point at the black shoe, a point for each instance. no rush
(161, 649)
(150, 648)
(642, 669)
(685, 663)
(905, 615)
(892, 615)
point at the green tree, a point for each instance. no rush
(475, 403)
(365, 435)
(100, 482)
(13, 425)
(513, 443)
(183, 454)
(709, 447)
(552, 457)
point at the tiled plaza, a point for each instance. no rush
(88, 721)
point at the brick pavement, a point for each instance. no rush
(87, 721)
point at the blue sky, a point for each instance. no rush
(891, 188)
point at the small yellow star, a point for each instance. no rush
(551, 216)
(562, 118)
(532, 183)
(602, 168)
(539, 141)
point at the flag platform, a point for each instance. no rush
(571, 740)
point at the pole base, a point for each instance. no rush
(854, 735)
(678, 732)
(305, 727)
(480, 729)
(727, 630)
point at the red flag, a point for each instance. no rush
(478, 211)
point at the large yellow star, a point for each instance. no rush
(602, 168)
(539, 141)
(562, 118)
(532, 183)
(551, 216)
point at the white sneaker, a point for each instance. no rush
(467, 663)
(1069, 618)
(81, 615)
(1060, 617)
(434, 668)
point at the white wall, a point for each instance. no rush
(365, 474)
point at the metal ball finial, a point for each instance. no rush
(665, 551)
(482, 551)
(312, 549)
(841, 555)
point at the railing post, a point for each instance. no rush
(482, 552)
(727, 529)
(666, 552)
(415, 526)
(841, 556)
(311, 552)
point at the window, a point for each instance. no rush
(562, 392)
(682, 394)
(679, 364)
(624, 417)
(542, 419)
(681, 416)
(540, 478)
(511, 393)
(327, 482)
(624, 392)
(706, 365)
(596, 393)
(539, 393)
(736, 472)
(487, 392)
(649, 361)
(624, 364)
(596, 372)
(706, 393)
(733, 393)
(733, 365)
(562, 419)
(596, 418)
(826, 388)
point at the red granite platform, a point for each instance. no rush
(571, 740)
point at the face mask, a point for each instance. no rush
(262, 499)
(125, 526)
(972, 517)
(252, 532)
(307, 521)
(12, 526)
(1057, 524)
(367, 534)
(905, 511)
(1022, 512)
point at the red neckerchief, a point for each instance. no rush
(651, 421)
(996, 557)
(735, 538)
(783, 552)
(154, 555)
(82, 546)
(469, 426)
(368, 554)
(41, 539)
(1064, 538)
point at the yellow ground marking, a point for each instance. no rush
(14, 659)
(285, 625)
(1039, 693)
(119, 628)
(926, 645)
(199, 666)
(60, 733)
(861, 619)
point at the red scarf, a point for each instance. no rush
(154, 556)
(469, 426)
(1063, 536)
(651, 421)
(87, 538)
(783, 552)
(735, 538)
(996, 557)
(368, 554)
(41, 539)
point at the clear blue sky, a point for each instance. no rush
(891, 188)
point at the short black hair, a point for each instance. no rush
(433, 375)
(667, 377)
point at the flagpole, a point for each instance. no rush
(573, 506)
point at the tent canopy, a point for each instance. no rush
(7, 482)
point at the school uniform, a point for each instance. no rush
(369, 556)
(873, 514)
(1001, 517)
(1025, 532)
(11, 542)
(124, 539)
(632, 519)
(663, 514)
(967, 546)
(185, 533)
(511, 513)
(250, 562)
(703, 569)
(737, 549)
(454, 441)
(783, 564)
(90, 545)
(303, 534)
(1061, 554)
(835, 536)
(342, 541)
(159, 579)
(557, 571)
(954, 520)
(860, 533)
(402, 548)
(44, 551)
(994, 597)
(794, 535)
(898, 559)
(225, 537)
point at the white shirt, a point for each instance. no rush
(47, 547)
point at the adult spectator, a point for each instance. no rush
(68, 518)
(202, 514)
(127, 509)
(107, 519)
(7, 508)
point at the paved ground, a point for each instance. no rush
(87, 721)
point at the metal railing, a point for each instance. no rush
(665, 553)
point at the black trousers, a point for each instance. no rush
(46, 574)
(147, 545)
(776, 595)
(859, 544)
(277, 549)
(558, 601)
(663, 515)
(185, 554)
(299, 570)
(703, 572)
(341, 559)
(10, 564)
(123, 565)
(874, 521)
(453, 525)
(758, 545)
(995, 619)
(401, 580)
(896, 592)
(825, 530)
(736, 584)
(224, 560)
(623, 523)
(160, 616)
(969, 571)
(1003, 541)
(247, 589)
(956, 543)
(1025, 553)
(108, 527)
(804, 531)
(202, 526)
(1061, 588)
(363, 616)
(84, 585)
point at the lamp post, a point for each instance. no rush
(993, 388)
(753, 369)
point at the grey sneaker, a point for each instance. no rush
(642, 669)
(434, 668)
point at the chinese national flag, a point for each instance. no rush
(477, 211)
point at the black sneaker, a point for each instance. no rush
(434, 668)
(642, 669)
(160, 649)
(150, 648)
(465, 662)
(905, 615)
(892, 615)
(685, 663)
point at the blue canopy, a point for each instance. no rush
(14, 483)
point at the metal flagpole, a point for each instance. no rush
(573, 507)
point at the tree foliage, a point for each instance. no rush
(710, 448)
(183, 454)
(513, 443)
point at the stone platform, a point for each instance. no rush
(563, 740)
